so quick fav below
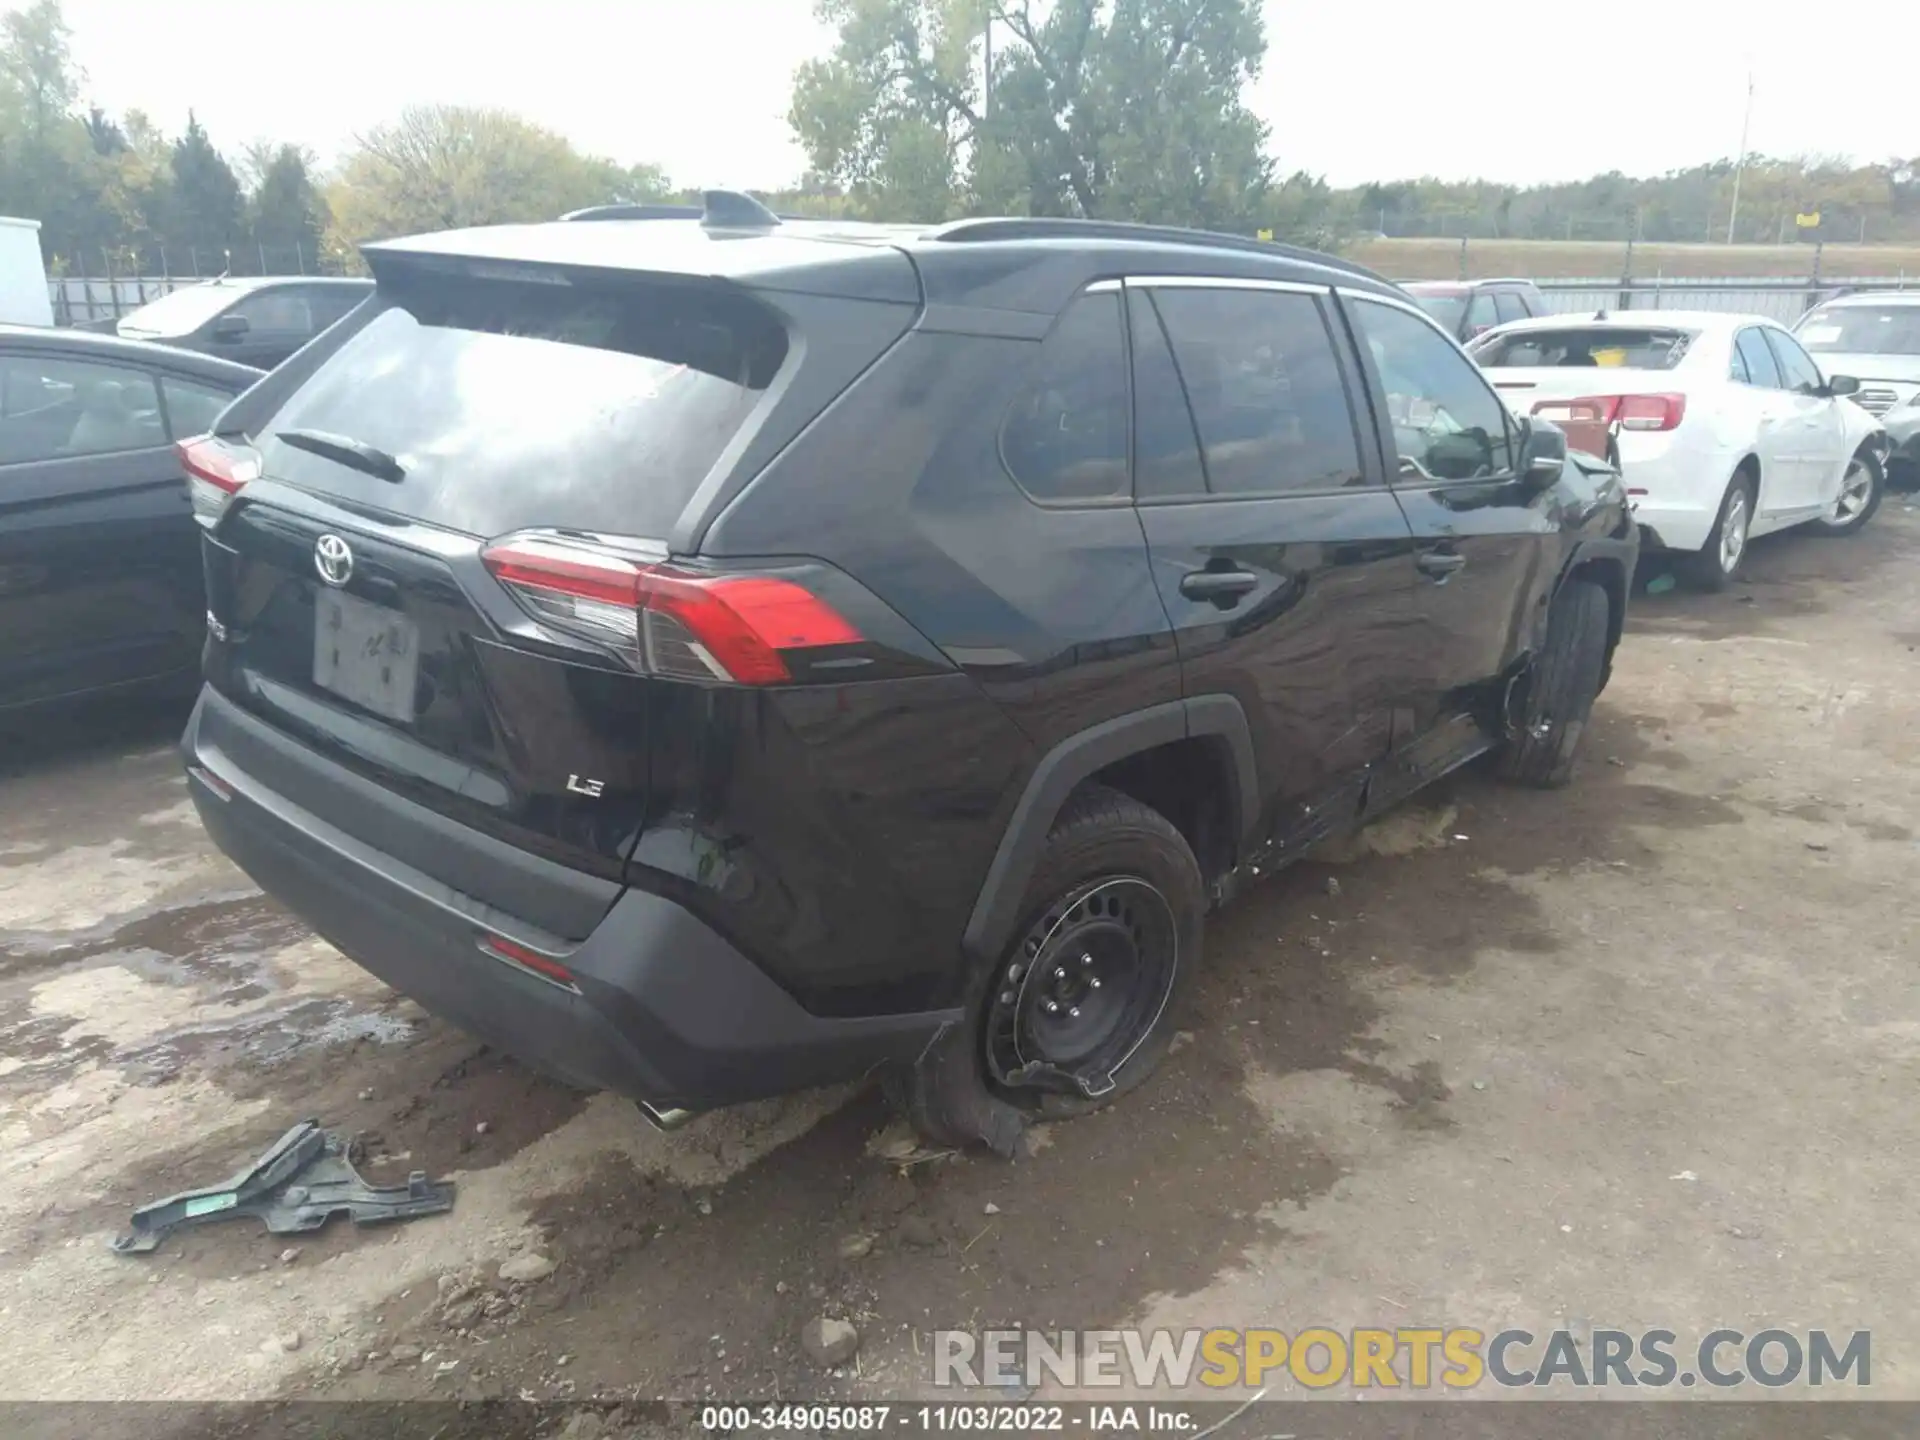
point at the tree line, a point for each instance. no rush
(1134, 109)
(117, 193)
(923, 110)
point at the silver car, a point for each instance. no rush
(1875, 335)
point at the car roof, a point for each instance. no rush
(1010, 265)
(246, 284)
(1874, 297)
(262, 282)
(1461, 287)
(1705, 320)
(94, 345)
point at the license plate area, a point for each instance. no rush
(365, 653)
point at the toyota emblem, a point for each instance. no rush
(333, 559)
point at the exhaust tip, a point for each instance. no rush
(667, 1120)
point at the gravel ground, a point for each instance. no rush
(1638, 1053)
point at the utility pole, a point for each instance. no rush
(986, 87)
(1740, 165)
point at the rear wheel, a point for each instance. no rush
(1860, 491)
(1714, 565)
(1079, 1010)
(1558, 694)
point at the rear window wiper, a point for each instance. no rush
(345, 450)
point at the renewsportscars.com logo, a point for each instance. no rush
(1405, 1357)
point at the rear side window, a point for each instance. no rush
(192, 407)
(1166, 449)
(332, 303)
(1607, 347)
(1265, 387)
(514, 404)
(1758, 359)
(1509, 306)
(1066, 436)
(53, 409)
(1482, 314)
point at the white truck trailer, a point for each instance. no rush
(24, 298)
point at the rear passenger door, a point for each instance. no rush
(100, 578)
(1281, 556)
(1482, 538)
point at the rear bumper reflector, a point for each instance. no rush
(541, 967)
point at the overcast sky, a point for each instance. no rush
(1514, 90)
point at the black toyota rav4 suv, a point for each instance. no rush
(711, 658)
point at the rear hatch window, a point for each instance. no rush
(1605, 347)
(516, 403)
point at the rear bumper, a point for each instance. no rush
(663, 1009)
(1675, 483)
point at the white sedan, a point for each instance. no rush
(1722, 425)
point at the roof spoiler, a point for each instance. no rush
(721, 210)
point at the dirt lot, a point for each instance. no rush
(1640, 1053)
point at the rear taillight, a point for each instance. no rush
(669, 621)
(217, 470)
(1629, 412)
(1652, 412)
(1588, 410)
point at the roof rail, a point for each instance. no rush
(723, 210)
(648, 211)
(1030, 228)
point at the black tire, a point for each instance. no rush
(1707, 568)
(1101, 835)
(1557, 695)
(1877, 488)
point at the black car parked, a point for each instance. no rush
(708, 660)
(100, 570)
(1466, 308)
(258, 322)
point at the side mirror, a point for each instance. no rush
(1842, 385)
(231, 327)
(1543, 453)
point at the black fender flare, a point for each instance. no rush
(1621, 551)
(1068, 764)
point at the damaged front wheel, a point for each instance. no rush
(1083, 1005)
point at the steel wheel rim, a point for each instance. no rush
(1083, 989)
(1855, 490)
(1733, 531)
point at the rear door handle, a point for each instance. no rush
(1439, 564)
(1218, 585)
